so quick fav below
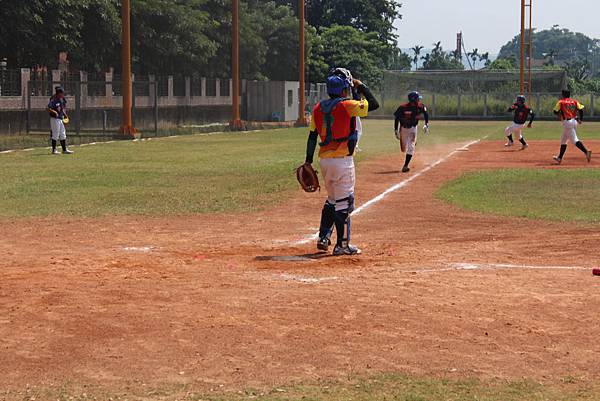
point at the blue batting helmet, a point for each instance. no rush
(336, 85)
(414, 96)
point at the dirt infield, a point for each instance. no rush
(228, 302)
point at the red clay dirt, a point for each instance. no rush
(229, 302)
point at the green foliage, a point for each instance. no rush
(181, 47)
(439, 59)
(363, 53)
(555, 45)
(194, 36)
(373, 16)
(400, 61)
(508, 63)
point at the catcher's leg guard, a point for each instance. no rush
(344, 208)
(327, 220)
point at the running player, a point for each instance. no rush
(334, 123)
(521, 113)
(570, 112)
(406, 125)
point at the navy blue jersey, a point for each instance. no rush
(521, 113)
(409, 114)
(59, 105)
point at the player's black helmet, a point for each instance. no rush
(414, 96)
(521, 99)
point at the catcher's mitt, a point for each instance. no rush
(307, 177)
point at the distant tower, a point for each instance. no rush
(459, 45)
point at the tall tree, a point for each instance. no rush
(439, 59)
(363, 53)
(416, 55)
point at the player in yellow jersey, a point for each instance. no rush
(334, 126)
(570, 112)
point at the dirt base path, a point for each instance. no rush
(234, 301)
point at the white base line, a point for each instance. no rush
(495, 266)
(396, 187)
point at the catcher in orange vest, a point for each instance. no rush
(333, 125)
(570, 112)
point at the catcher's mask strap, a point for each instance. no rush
(327, 107)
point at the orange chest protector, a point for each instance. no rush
(339, 125)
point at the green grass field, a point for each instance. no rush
(393, 387)
(563, 195)
(174, 176)
(193, 173)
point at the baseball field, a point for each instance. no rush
(184, 268)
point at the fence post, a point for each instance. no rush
(485, 105)
(108, 78)
(83, 78)
(25, 78)
(537, 103)
(156, 106)
(188, 91)
(170, 86)
(203, 87)
(217, 87)
(28, 114)
(133, 96)
(78, 109)
(433, 105)
(592, 105)
(459, 105)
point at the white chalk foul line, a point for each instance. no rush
(495, 266)
(397, 186)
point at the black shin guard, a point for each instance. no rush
(63, 144)
(563, 149)
(342, 217)
(53, 144)
(581, 147)
(522, 140)
(408, 159)
(327, 220)
(342, 220)
(510, 138)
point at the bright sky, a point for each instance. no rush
(488, 24)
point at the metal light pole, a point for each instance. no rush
(127, 129)
(522, 54)
(236, 122)
(302, 121)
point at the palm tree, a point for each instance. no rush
(474, 56)
(485, 59)
(417, 51)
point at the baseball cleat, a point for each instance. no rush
(346, 250)
(55, 152)
(323, 244)
(67, 152)
(588, 156)
(523, 147)
(509, 144)
(405, 169)
(557, 159)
